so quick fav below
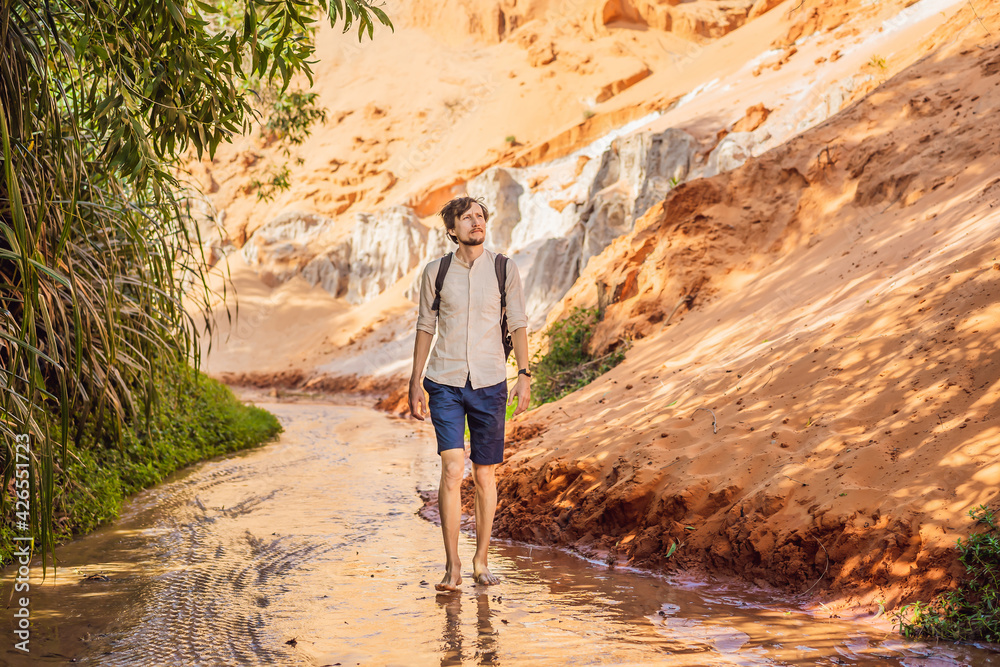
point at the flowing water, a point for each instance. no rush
(310, 551)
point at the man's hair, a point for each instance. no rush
(454, 210)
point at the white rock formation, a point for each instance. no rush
(653, 164)
(550, 219)
(384, 247)
(607, 215)
(331, 269)
(730, 153)
(555, 267)
(636, 172)
(500, 193)
(283, 246)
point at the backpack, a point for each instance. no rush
(501, 270)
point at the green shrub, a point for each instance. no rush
(292, 114)
(567, 365)
(197, 418)
(971, 611)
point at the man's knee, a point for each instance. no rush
(484, 475)
(452, 471)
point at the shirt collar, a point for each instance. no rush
(486, 251)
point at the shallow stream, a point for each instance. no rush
(310, 551)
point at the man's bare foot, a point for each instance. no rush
(482, 575)
(452, 579)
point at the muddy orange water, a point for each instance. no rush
(310, 551)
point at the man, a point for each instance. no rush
(467, 376)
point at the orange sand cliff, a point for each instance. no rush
(811, 392)
(844, 337)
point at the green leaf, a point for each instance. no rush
(177, 14)
(28, 346)
(382, 17)
(52, 273)
(250, 23)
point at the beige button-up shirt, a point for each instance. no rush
(468, 321)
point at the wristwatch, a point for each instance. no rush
(523, 371)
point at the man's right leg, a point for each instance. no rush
(450, 506)
(448, 417)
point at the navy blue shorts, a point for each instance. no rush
(486, 409)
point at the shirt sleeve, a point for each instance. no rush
(426, 318)
(516, 317)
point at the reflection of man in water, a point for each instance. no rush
(453, 654)
(467, 375)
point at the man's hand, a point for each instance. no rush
(522, 391)
(418, 401)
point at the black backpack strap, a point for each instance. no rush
(439, 281)
(501, 267)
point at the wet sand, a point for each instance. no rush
(310, 551)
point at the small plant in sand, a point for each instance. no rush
(972, 610)
(877, 62)
(273, 183)
(588, 114)
(568, 365)
(510, 139)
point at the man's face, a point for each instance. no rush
(470, 228)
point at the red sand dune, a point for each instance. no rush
(844, 334)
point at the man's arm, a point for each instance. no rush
(421, 348)
(426, 325)
(522, 389)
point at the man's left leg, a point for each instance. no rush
(486, 411)
(486, 507)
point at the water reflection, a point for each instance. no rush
(452, 639)
(486, 642)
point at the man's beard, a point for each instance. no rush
(473, 241)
